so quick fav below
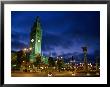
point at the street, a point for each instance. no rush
(54, 74)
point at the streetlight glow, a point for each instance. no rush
(30, 48)
(25, 49)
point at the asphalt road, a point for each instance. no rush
(55, 74)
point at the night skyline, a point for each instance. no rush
(63, 32)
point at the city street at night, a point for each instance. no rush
(55, 47)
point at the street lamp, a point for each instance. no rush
(30, 48)
(24, 49)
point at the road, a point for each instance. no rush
(55, 74)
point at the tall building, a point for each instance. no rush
(35, 40)
(85, 59)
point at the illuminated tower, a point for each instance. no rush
(85, 59)
(35, 40)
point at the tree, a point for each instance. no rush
(59, 64)
(51, 62)
(38, 60)
(13, 59)
(19, 58)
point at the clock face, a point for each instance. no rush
(32, 40)
(38, 40)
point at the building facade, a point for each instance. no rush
(35, 40)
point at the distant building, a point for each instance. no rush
(85, 59)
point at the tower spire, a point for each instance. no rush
(38, 19)
(36, 39)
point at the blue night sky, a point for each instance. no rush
(64, 32)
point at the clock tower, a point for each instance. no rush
(35, 40)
